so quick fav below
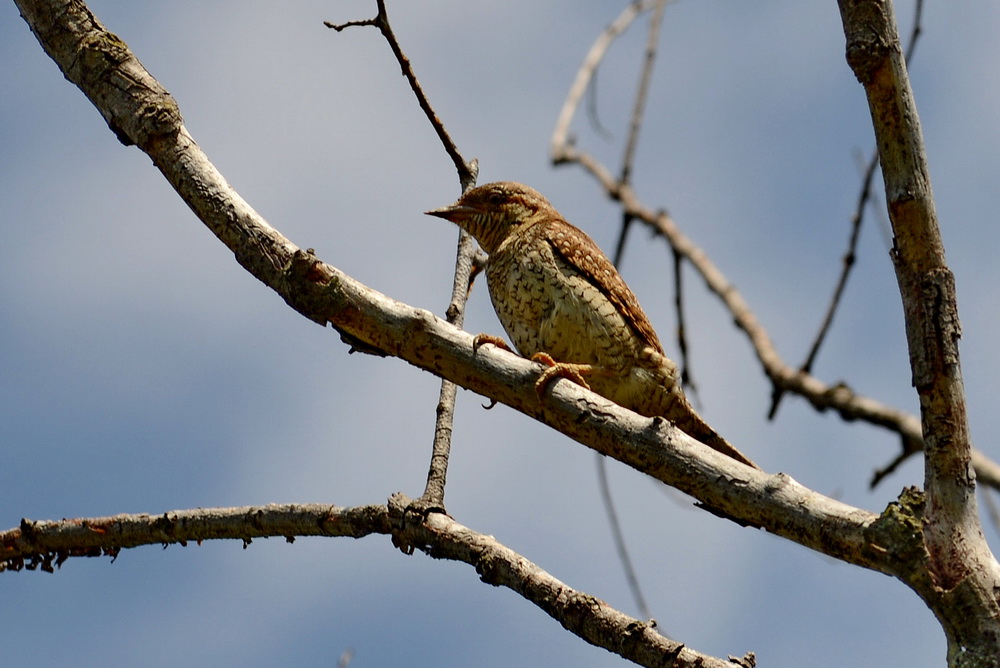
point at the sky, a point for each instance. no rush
(144, 371)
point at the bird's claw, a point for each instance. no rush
(480, 340)
(556, 370)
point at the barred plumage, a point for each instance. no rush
(563, 303)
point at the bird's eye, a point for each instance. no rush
(495, 197)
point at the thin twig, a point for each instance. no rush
(847, 264)
(437, 471)
(642, 95)
(619, 538)
(908, 447)
(560, 136)
(687, 380)
(466, 170)
(916, 31)
(822, 396)
(864, 197)
(628, 159)
(592, 115)
(622, 236)
(339, 27)
(433, 496)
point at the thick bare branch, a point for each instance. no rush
(785, 378)
(926, 284)
(46, 545)
(964, 572)
(366, 317)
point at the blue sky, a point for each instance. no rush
(143, 370)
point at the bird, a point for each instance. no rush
(563, 304)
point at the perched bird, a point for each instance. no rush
(563, 303)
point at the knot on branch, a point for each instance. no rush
(868, 47)
(406, 515)
(896, 538)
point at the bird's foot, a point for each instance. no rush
(480, 340)
(555, 370)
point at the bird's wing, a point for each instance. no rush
(575, 247)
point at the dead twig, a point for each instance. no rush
(433, 496)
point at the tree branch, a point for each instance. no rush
(468, 171)
(46, 545)
(324, 294)
(926, 284)
(141, 112)
(964, 573)
(822, 396)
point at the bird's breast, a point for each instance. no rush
(522, 297)
(545, 305)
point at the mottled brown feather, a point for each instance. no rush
(563, 303)
(577, 248)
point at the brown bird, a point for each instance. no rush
(563, 303)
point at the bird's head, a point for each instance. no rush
(492, 212)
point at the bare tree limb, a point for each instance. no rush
(847, 264)
(140, 111)
(46, 545)
(927, 285)
(324, 294)
(437, 473)
(822, 396)
(964, 573)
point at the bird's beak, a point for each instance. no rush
(453, 212)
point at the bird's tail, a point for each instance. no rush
(685, 418)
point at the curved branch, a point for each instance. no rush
(433, 496)
(822, 396)
(963, 573)
(370, 319)
(46, 545)
(953, 533)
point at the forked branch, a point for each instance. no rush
(784, 377)
(468, 170)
